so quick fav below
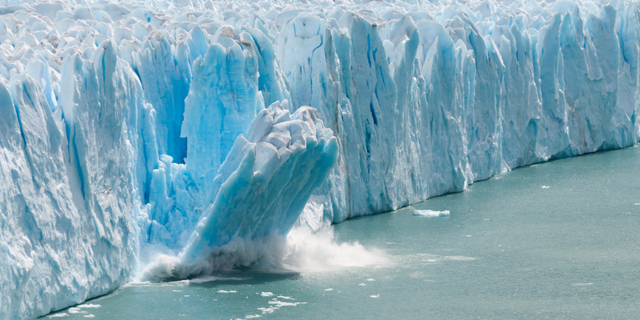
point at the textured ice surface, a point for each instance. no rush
(132, 128)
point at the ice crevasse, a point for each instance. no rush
(199, 126)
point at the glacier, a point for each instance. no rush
(157, 139)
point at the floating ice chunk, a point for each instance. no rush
(266, 294)
(375, 296)
(328, 289)
(277, 304)
(431, 213)
(89, 305)
(545, 187)
(58, 315)
(227, 291)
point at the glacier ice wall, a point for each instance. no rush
(69, 176)
(184, 127)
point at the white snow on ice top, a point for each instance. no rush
(186, 125)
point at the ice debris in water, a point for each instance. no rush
(431, 213)
(74, 310)
(227, 291)
(186, 126)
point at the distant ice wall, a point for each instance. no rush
(121, 123)
(427, 102)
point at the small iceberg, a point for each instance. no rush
(431, 213)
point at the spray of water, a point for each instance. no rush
(303, 251)
(308, 251)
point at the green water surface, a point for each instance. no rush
(511, 249)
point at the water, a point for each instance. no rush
(557, 240)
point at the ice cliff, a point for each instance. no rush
(193, 128)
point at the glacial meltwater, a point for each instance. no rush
(554, 240)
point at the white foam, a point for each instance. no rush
(319, 252)
(265, 253)
(303, 250)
